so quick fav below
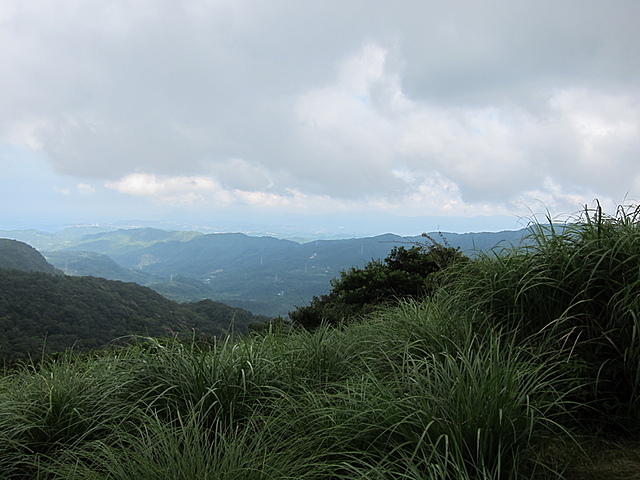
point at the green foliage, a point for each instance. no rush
(44, 313)
(404, 273)
(376, 400)
(222, 380)
(64, 402)
(577, 285)
(188, 449)
(20, 256)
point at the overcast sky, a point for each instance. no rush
(132, 109)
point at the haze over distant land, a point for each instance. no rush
(264, 113)
(297, 227)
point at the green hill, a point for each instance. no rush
(19, 255)
(42, 312)
(94, 264)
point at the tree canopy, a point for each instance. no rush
(40, 312)
(404, 273)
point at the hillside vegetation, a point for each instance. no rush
(19, 255)
(40, 312)
(406, 273)
(84, 264)
(522, 363)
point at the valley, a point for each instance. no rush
(265, 275)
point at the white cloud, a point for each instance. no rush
(179, 190)
(85, 189)
(242, 174)
(137, 184)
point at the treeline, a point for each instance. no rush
(40, 313)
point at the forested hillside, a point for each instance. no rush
(19, 255)
(94, 264)
(41, 312)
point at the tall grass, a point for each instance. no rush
(576, 284)
(401, 403)
(65, 402)
(474, 410)
(224, 380)
(190, 447)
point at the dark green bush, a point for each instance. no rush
(404, 273)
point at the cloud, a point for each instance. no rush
(85, 189)
(179, 190)
(462, 107)
(242, 174)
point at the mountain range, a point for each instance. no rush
(265, 275)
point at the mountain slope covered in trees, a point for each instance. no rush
(86, 263)
(40, 312)
(19, 255)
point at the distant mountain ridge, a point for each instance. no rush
(127, 240)
(96, 238)
(265, 274)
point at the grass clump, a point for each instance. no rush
(64, 402)
(223, 379)
(576, 287)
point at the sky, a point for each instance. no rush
(205, 110)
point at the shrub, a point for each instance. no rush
(404, 273)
